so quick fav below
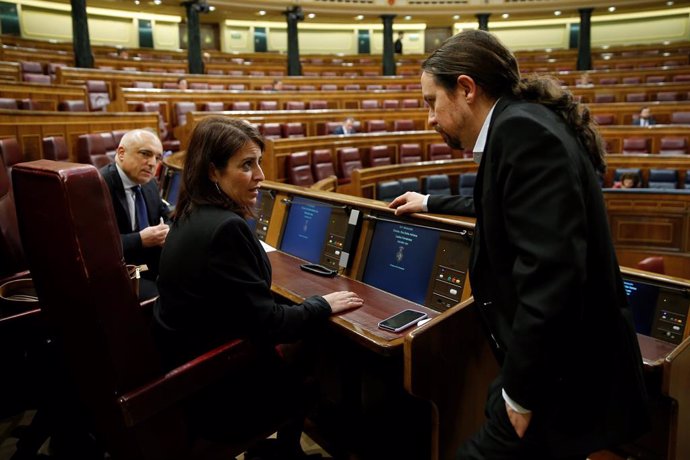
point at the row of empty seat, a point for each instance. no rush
(672, 145)
(435, 184)
(304, 168)
(661, 96)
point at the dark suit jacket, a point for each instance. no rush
(545, 277)
(133, 251)
(215, 285)
(637, 121)
(340, 130)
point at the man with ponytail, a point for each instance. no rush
(543, 269)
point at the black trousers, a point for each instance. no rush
(497, 440)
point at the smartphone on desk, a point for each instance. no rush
(402, 320)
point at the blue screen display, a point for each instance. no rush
(306, 228)
(642, 300)
(401, 259)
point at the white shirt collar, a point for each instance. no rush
(483, 134)
(127, 183)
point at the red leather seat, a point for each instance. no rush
(637, 145)
(636, 97)
(268, 105)
(55, 148)
(12, 259)
(604, 98)
(680, 118)
(322, 164)
(181, 109)
(317, 105)
(11, 153)
(410, 153)
(72, 106)
(299, 169)
(439, 152)
(37, 78)
(604, 119)
(99, 97)
(91, 150)
(673, 146)
(295, 105)
(376, 126)
(668, 96)
(379, 155)
(292, 130)
(236, 87)
(198, 85)
(241, 106)
(212, 107)
(369, 104)
(8, 103)
(143, 84)
(271, 130)
(410, 103)
(216, 86)
(348, 160)
(391, 104)
(652, 264)
(329, 87)
(403, 125)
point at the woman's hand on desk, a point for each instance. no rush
(343, 300)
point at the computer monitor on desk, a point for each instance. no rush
(659, 309)
(315, 231)
(421, 263)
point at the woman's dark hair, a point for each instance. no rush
(481, 56)
(213, 141)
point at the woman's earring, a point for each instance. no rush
(220, 192)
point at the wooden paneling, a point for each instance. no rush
(45, 97)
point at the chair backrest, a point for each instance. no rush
(376, 126)
(603, 119)
(351, 87)
(439, 152)
(10, 152)
(198, 85)
(403, 125)
(271, 130)
(653, 264)
(170, 85)
(437, 184)
(181, 110)
(466, 184)
(369, 104)
(410, 104)
(37, 78)
(374, 87)
(88, 298)
(604, 98)
(295, 105)
(410, 153)
(91, 150)
(96, 86)
(317, 105)
(329, 87)
(668, 96)
(212, 106)
(8, 103)
(268, 105)
(241, 105)
(631, 80)
(299, 169)
(673, 146)
(143, 84)
(681, 78)
(348, 160)
(379, 155)
(72, 106)
(636, 97)
(656, 79)
(391, 104)
(295, 129)
(388, 190)
(620, 171)
(55, 148)
(637, 145)
(31, 67)
(680, 118)
(109, 144)
(409, 184)
(322, 164)
(608, 81)
(663, 178)
(11, 253)
(306, 88)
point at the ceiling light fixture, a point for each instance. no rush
(311, 15)
(505, 15)
(557, 13)
(211, 8)
(359, 17)
(456, 17)
(262, 13)
(612, 9)
(408, 17)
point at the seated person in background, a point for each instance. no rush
(215, 286)
(628, 180)
(584, 81)
(348, 127)
(645, 118)
(277, 85)
(139, 209)
(182, 84)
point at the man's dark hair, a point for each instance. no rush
(481, 56)
(213, 142)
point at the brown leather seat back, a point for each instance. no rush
(55, 148)
(11, 253)
(299, 169)
(322, 164)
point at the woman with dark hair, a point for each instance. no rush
(543, 268)
(215, 282)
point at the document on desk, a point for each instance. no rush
(267, 247)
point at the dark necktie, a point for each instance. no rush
(140, 208)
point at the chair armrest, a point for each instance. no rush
(183, 381)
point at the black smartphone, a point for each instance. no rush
(402, 320)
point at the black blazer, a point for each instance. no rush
(341, 130)
(133, 251)
(215, 285)
(544, 273)
(637, 121)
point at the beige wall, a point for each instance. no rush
(641, 30)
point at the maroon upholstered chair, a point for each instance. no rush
(379, 155)
(374, 87)
(299, 169)
(8, 103)
(109, 144)
(608, 81)
(55, 148)
(439, 152)
(322, 164)
(181, 110)
(272, 130)
(72, 106)
(317, 105)
(604, 98)
(351, 87)
(669, 96)
(680, 118)
(37, 78)
(212, 107)
(144, 84)
(216, 86)
(11, 153)
(652, 264)
(292, 130)
(236, 87)
(636, 145)
(673, 146)
(134, 406)
(268, 105)
(632, 80)
(369, 104)
(403, 125)
(241, 106)
(376, 126)
(410, 153)
(410, 103)
(306, 88)
(170, 85)
(295, 105)
(348, 160)
(604, 119)
(656, 79)
(391, 104)
(329, 87)
(12, 259)
(91, 150)
(635, 97)
(198, 85)
(98, 95)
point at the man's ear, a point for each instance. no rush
(468, 87)
(120, 153)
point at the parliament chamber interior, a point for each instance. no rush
(416, 393)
